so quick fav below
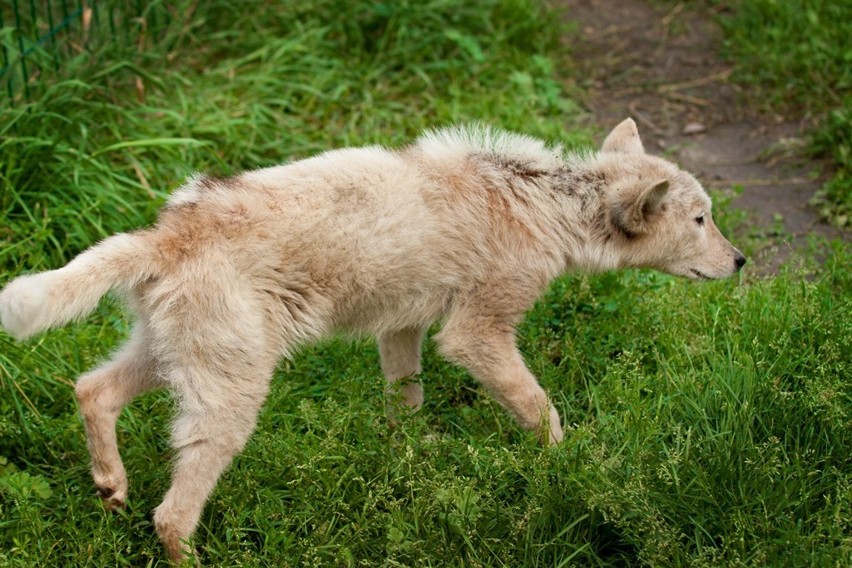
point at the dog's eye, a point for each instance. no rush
(700, 219)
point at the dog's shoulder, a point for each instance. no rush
(460, 142)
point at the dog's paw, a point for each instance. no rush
(111, 488)
(112, 498)
(23, 305)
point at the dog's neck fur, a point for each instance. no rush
(578, 188)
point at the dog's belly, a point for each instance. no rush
(378, 313)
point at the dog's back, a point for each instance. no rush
(362, 240)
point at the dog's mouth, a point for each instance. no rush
(699, 275)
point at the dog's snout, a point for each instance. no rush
(739, 259)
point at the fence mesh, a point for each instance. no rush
(37, 36)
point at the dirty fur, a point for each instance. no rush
(465, 226)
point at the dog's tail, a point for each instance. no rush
(36, 302)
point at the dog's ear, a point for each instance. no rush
(633, 212)
(624, 138)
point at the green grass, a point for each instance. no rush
(707, 424)
(798, 52)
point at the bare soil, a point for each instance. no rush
(661, 65)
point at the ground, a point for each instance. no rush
(660, 63)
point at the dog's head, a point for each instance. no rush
(661, 213)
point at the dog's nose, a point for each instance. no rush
(739, 259)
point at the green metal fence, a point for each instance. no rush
(37, 36)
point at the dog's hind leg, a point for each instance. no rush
(486, 347)
(101, 394)
(400, 353)
(219, 404)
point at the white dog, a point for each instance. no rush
(466, 226)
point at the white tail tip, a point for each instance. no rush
(23, 305)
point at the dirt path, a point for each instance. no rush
(661, 65)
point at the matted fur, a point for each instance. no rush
(466, 226)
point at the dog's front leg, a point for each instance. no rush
(400, 352)
(486, 347)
